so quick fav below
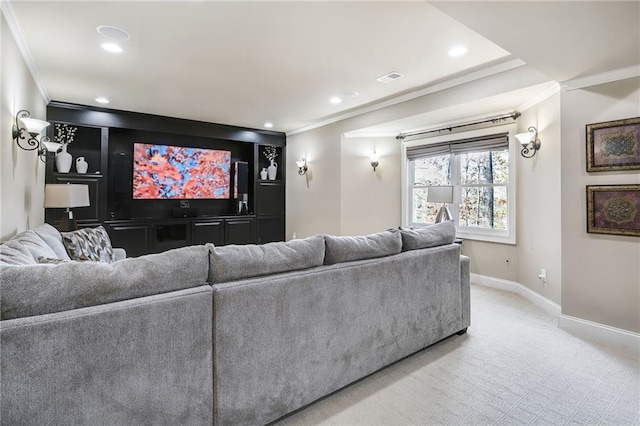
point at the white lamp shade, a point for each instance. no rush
(66, 196)
(525, 138)
(51, 146)
(300, 163)
(374, 157)
(33, 125)
(440, 194)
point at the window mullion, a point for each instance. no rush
(412, 179)
(455, 181)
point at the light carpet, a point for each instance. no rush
(513, 367)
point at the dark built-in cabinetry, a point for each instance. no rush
(105, 138)
(153, 236)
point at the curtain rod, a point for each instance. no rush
(514, 115)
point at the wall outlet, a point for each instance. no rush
(543, 275)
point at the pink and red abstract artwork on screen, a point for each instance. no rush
(176, 172)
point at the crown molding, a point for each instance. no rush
(545, 94)
(370, 135)
(605, 77)
(12, 22)
(457, 81)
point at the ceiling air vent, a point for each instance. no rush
(390, 77)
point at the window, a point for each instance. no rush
(479, 165)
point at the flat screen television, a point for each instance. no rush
(178, 172)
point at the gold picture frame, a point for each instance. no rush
(613, 145)
(613, 209)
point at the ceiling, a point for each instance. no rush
(246, 63)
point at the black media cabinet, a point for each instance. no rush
(105, 139)
(140, 236)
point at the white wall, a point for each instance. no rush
(313, 200)
(539, 199)
(601, 273)
(365, 193)
(21, 173)
(492, 259)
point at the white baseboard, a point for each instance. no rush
(515, 287)
(581, 328)
(600, 333)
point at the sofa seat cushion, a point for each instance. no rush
(24, 249)
(430, 236)
(346, 249)
(89, 244)
(41, 289)
(234, 262)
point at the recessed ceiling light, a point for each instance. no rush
(335, 100)
(102, 100)
(349, 94)
(111, 47)
(268, 125)
(113, 33)
(458, 51)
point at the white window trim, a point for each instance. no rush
(507, 236)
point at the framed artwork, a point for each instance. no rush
(613, 145)
(613, 209)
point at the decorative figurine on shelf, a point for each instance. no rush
(64, 135)
(81, 165)
(271, 153)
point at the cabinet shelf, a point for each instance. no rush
(77, 175)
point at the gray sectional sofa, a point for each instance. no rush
(234, 335)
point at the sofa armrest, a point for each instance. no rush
(465, 283)
(139, 361)
(119, 253)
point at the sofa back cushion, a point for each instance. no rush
(345, 249)
(53, 238)
(234, 262)
(430, 236)
(14, 253)
(40, 289)
(24, 249)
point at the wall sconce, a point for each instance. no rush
(302, 166)
(441, 194)
(66, 196)
(529, 141)
(374, 160)
(26, 132)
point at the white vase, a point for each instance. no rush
(263, 174)
(272, 170)
(81, 165)
(63, 160)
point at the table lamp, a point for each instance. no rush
(66, 196)
(441, 194)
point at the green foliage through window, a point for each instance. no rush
(481, 180)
